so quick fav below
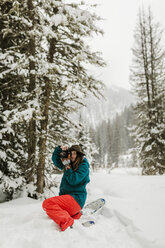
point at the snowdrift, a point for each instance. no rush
(133, 217)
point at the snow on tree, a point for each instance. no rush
(43, 67)
(112, 138)
(67, 77)
(85, 141)
(13, 94)
(148, 80)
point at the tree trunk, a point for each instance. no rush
(31, 132)
(145, 59)
(43, 138)
(44, 125)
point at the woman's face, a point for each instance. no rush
(73, 155)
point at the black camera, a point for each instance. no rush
(65, 154)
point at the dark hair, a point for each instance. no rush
(77, 162)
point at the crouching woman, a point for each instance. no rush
(66, 207)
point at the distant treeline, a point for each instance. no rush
(113, 137)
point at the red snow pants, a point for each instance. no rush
(62, 209)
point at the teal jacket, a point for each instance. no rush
(73, 182)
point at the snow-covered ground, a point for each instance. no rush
(133, 217)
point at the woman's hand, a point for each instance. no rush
(67, 167)
(64, 148)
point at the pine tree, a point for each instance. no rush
(84, 140)
(109, 142)
(12, 43)
(44, 80)
(112, 138)
(68, 79)
(148, 77)
(116, 138)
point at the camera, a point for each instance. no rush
(65, 154)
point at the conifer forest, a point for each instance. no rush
(44, 81)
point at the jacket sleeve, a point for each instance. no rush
(76, 177)
(56, 158)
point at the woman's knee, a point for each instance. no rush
(44, 204)
(49, 202)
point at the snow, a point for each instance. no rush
(3, 155)
(59, 19)
(126, 171)
(133, 216)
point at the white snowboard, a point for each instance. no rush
(92, 208)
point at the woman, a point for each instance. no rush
(66, 207)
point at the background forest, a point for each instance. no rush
(45, 82)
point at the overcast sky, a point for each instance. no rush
(120, 22)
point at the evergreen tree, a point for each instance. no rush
(68, 79)
(19, 44)
(109, 142)
(85, 141)
(13, 92)
(116, 138)
(44, 80)
(112, 138)
(148, 77)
